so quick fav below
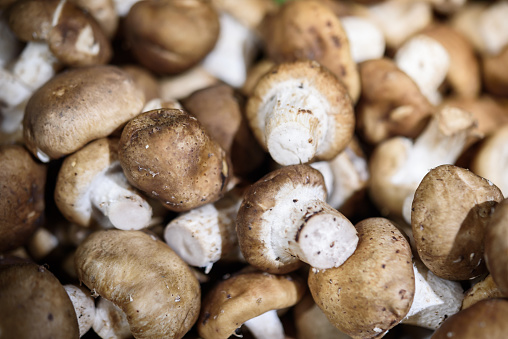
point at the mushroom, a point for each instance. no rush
(496, 246)
(42, 243)
(284, 219)
(450, 213)
(161, 296)
(365, 38)
(289, 35)
(373, 290)
(182, 85)
(494, 72)
(484, 289)
(110, 321)
(91, 187)
(78, 106)
(300, 112)
(104, 12)
(485, 319)
(84, 306)
(34, 303)
(171, 36)
(22, 182)
(250, 298)
(145, 80)
(167, 154)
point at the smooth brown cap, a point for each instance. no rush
(496, 246)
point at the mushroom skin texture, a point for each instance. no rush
(160, 296)
(485, 319)
(284, 219)
(485, 289)
(244, 296)
(496, 246)
(289, 35)
(167, 154)
(22, 182)
(171, 36)
(450, 213)
(374, 289)
(299, 112)
(34, 303)
(78, 106)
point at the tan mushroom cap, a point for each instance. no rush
(450, 212)
(374, 289)
(244, 296)
(78, 106)
(34, 303)
(289, 35)
(22, 204)
(171, 36)
(485, 319)
(144, 277)
(167, 154)
(391, 102)
(496, 246)
(73, 36)
(104, 12)
(145, 80)
(495, 75)
(485, 289)
(306, 95)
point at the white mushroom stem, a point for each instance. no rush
(306, 227)
(435, 299)
(110, 321)
(157, 103)
(294, 121)
(184, 84)
(427, 62)
(84, 306)
(42, 243)
(266, 325)
(112, 195)
(366, 40)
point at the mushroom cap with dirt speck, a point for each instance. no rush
(167, 154)
(496, 246)
(450, 213)
(244, 296)
(22, 182)
(374, 289)
(78, 106)
(160, 296)
(34, 303)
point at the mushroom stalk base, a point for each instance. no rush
(266, 325)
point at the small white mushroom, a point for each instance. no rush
(84, 306)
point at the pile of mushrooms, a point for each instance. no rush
(221, 168)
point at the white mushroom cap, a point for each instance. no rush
(110, 321)
(365, 39)
(84, 306)
(493, 27)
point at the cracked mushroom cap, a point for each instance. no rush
(299, 111)
(167, 154)
(73, 36)
(450, 213)
(144, 277)
(289, 35)
(171, 36)
(496, 246)
(22, 205)
(244, 296)
(374, 289)
(78, 106)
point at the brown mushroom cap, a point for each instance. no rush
(485, 289)
(167, 154)
(22, 182)
(33, 303)
(145, 80)
(450, 212)
(495, 75)
(289, 35)
(496, 246)
(73, 36)
(171, 36)
(244, 296)
(485, 319)
(144, 277)
(374, 289)
(78, 106)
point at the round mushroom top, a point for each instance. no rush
(319, 94)
(167, 154)
(244, 296)
(78, 106)
(258, 221)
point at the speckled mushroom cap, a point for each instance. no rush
(244, 296)
(167, 154)
(485, 319)
(450, 212)
(73, 36)
(289, 34)
(144, 277)
(374, 289)
(22, 205)
(391, 103)
(312, 96)
(78, 106)
(496, 246)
